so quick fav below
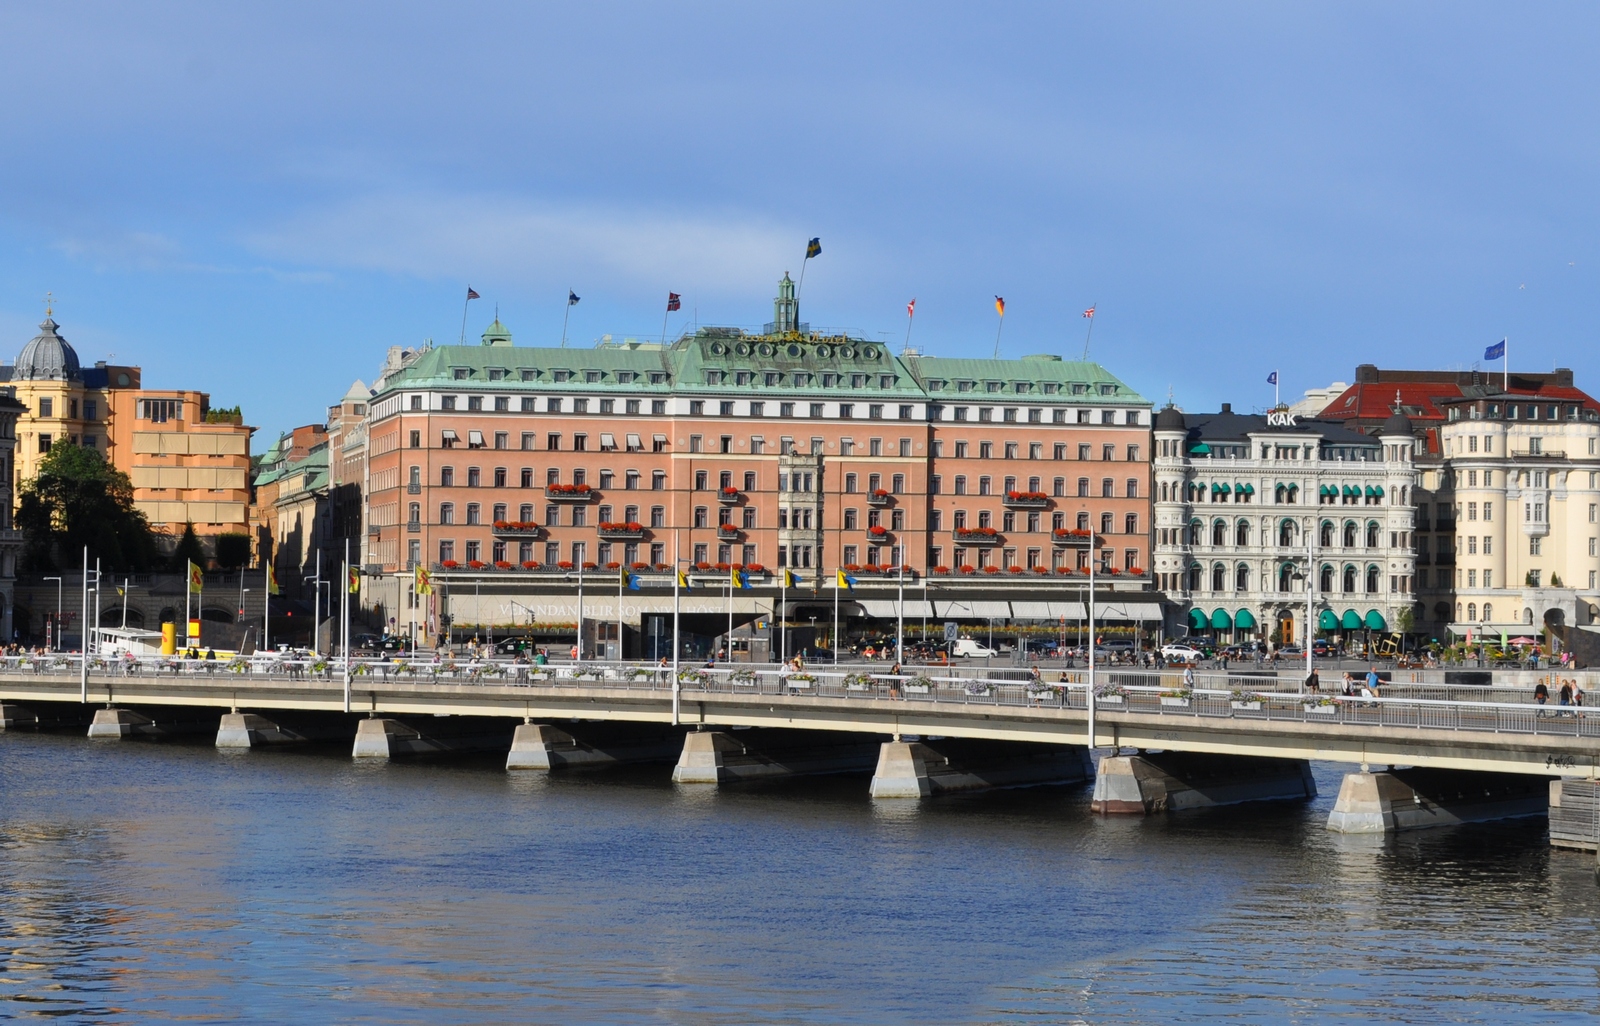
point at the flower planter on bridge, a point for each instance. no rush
(1181, 703)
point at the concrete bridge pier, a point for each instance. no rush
(16, 717)
(167, 721)
(541, 746)
(921, 769)
(252, 730)
(1573, 803)
(720, 757)
(1416, 799)
(380, 737)
(1153, 782)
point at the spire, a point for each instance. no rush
(785, 308)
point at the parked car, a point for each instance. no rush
(971, 648)
(1181, 654)
(1291, 651)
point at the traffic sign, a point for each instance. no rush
(952, 630)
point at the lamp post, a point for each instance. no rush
(55, 632)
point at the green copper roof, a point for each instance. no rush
(809, 366)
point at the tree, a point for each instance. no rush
(77, 499)
(233, 550)
(188, 550)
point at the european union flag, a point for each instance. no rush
(813, 248)
(1495, 351)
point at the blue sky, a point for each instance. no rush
(258, 200)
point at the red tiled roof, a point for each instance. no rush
(1376, 400)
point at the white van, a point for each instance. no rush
(971, 648)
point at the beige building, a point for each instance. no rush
(1520, 477)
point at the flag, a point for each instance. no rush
(472, 293)
(739, 579)
(272, 581)
(674, 302)
(683, 581)
(911, 308)
(845, 581)
(1089, 313)
(1272, 379)
(630, 580)
(572, 298)
(423, 585)
(791, 579)
(355, 580)
(999, 306)
(1495, 351)
(197, 579)
(813, 248)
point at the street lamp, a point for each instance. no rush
(55, 634)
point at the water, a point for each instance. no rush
(146, 882)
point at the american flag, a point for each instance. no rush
(472, 294)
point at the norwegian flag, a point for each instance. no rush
(674, 302)
(1089, 313)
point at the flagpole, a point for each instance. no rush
(83, 630)
(1090, 616)
(1276, 402)
(911, 315)
(464, 315)
(835, 638)
(580, 611)
(564, 316)
(730, 615)
(344, 624)
(1090, 333)
(900, 614)
(188, 592)
(999, 328)
(266, 605)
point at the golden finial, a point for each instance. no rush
(49, 304)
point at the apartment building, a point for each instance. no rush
(1245, 503)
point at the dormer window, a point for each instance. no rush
(561, 375)
(1108, 389)
(497, 374)
(741, 378)
(462, 373)
(936, 385)
(1022, 386)
(1051, 388)
(592, 376)
(993, 386)
(625, 377)
(658, 378)
(885, 380)
(1079, 388)
(829, 380)
(528, 374)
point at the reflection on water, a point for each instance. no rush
(144, 882)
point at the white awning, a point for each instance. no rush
(888, 609)
(474, 437)
(608, 441)
(448, 434)
(1031, 610)
(975, 610)
(660, 439)
(1070, 610)
(1134, 611)
(634, 445)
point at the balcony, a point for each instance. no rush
(729, 496)
(413, 527)
(1538, 454)
(1444, 524)
(570, 493)
(1026, 500)
(728, 532)
(977, 536)
(879, 535)
(1078, 538)
(880, 498)
(414, 488)
(516, 529)
(1445, 558)
(619, 531)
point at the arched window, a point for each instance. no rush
(1163, 491)
(1241, 533)
(1219, 533)
(1277, 494)
(1196, 532)
(1349, 534)
(1294, 493)
(1286, 533)
(1372, 535)
(1285, 576)
(1325, 579)
(1349, 578)
(1241, 578)
(1372, 580)
(1195, 575)
(1472, 610)
(1458, 611)
(1325, 538)
(1219, 578)
(1488, 612)
(1527, 616)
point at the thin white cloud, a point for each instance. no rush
(435, 236)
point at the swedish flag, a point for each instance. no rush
(683, 581)
(845, 581)
(739, 579)
(791, 579)
(813, 248)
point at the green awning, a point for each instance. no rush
(1327, 621)
(1202, 449)
(1224, 489)
(1248, 489)
(1197, 619)
(1324, 489)
(1370, 492)
(1221, 620)
(1375, 621)
(1351, 490)
(1377, 490)
(1351, 621)
(1244, 619)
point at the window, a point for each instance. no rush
(1108, 488)
(499, 477)
(157, 411)
(1083, 487)
(416, 439)
(1133, 488)
(447, 513)
(658, 480)
(474, 477)
(447, 477)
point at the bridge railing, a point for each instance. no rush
(1162, 693)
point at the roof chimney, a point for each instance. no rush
(1227, 407)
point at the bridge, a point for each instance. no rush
(1423, 753)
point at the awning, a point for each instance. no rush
(1197, 620)
(1323, 489)
(1131, 611)
(1326, 621)
(607, 441)
(474, 437)
(1031, 610)
(1378, 490)
(659, 439)
(1370, 492)
(1220, 619)
(1201, 449)
(1244, 619)
(1225, 489)
(1070, 610)
(974, 610)
(1351, 621)
(1375, 621)
(1249, 489)
(448, 434)
(634, 445)
(888, 609)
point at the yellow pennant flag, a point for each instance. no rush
(272, 581)
(424, 582)
(355, 580)
(197, 579)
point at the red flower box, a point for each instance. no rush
(449, 564)
(501, 564)
(941, 569)
(530, 564)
